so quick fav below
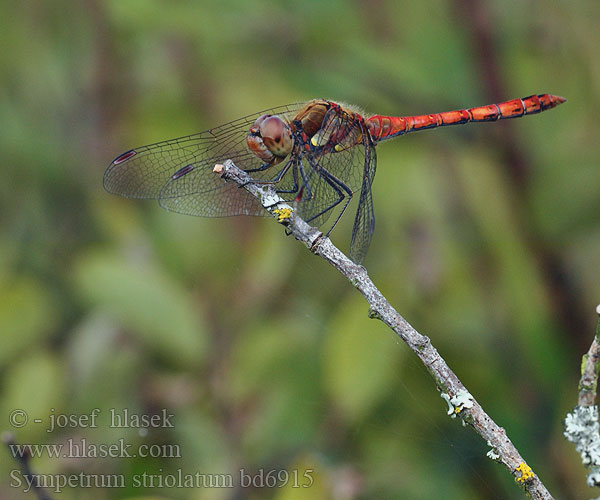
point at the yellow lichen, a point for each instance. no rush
(526, 472)
(282, 214)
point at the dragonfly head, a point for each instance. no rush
(270, 138)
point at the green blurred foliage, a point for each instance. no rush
(487, 240)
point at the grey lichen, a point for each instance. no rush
(456, 404)
(581, 428)
(493, 453)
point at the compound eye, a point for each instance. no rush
(271, 126)
(276, 135)
(259, 121)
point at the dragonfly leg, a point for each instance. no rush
(259, 169)
(275, 179)
(304, 191)
(348, 200)
(294, 188)
(340, 188)
(250, 170)
(305, 188)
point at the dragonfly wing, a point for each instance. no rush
(364, 222)
(324, 193)
(142, 172)
(345, 163)
(331, 170)
(201, 192)
(179, 172)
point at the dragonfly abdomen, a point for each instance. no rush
(386, 127)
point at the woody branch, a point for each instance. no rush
(581, 425)
(461, 403)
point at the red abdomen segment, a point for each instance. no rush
(385, 127)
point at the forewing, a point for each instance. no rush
(179, 172)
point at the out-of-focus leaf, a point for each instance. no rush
(305, 479)
(103, 369)
(259, 353)
(358, 360)
(286, 407)
(147, 302)
(26, 315)
(520, 282)
(202, 442)
(35, 385)
(91, 343)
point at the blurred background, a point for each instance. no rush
(487, 240)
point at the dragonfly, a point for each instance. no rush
(318, 155)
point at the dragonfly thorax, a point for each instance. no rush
(270, 138)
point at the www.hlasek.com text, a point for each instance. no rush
(83, 448)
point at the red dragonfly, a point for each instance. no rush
(317, 154)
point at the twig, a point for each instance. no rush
(590, 365)
(461, 403)
(23, 458)
(581, 425)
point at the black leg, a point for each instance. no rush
(339, 187)
(259, 169)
